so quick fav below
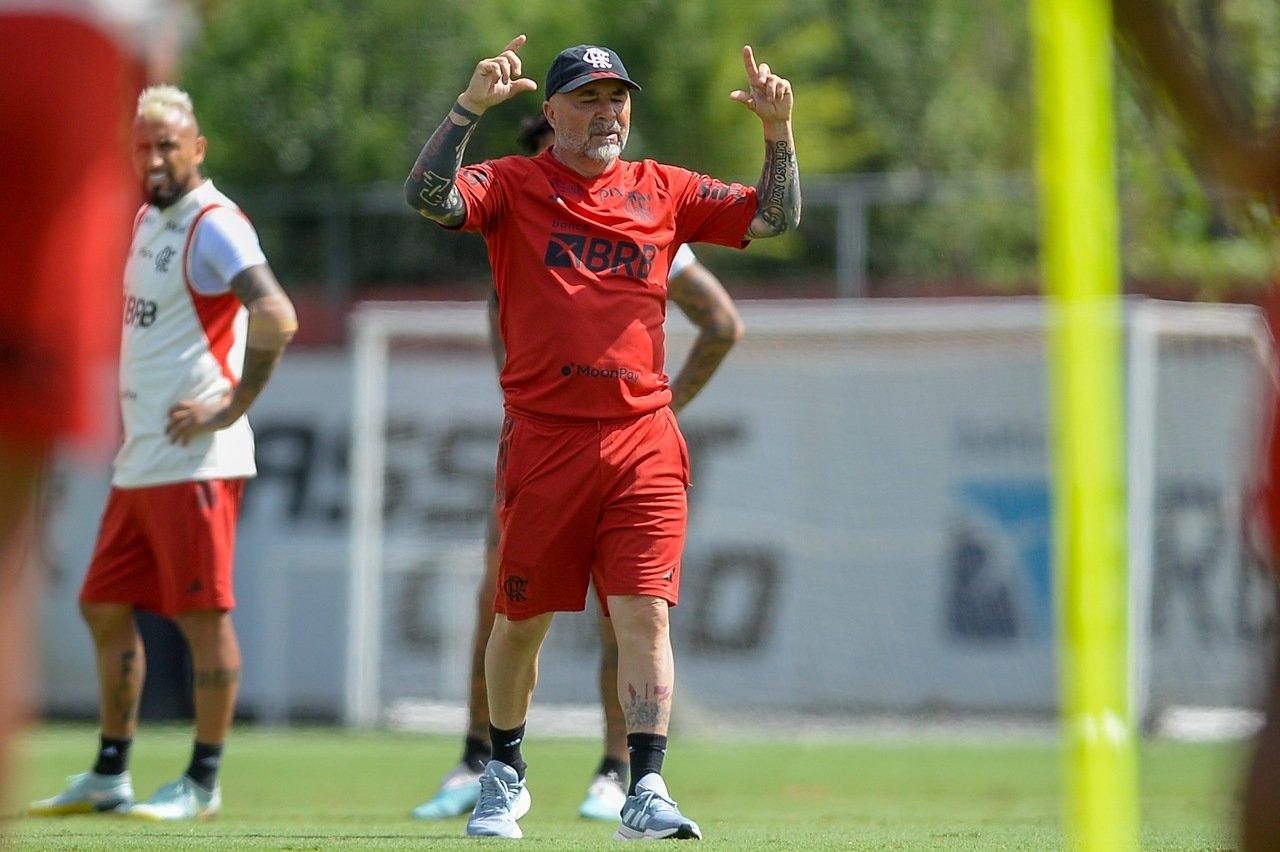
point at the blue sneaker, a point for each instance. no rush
(87, 793)
(604, 798)
(504, 798)
(457, 795)
(650, 814)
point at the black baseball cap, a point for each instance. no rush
(577, 66)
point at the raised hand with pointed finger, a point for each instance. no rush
(767, 94)
(778, 191)
(496, 79)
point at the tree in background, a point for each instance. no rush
(307, 98)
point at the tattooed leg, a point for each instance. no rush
(215, 661)
(646, 670)
(121, 666)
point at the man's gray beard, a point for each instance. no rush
(605, 153)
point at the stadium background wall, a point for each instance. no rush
(869, 532)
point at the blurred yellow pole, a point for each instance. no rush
(1080, 257)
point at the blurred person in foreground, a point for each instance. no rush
(69, 70)
(703, 299)
(205, 323)
(1247, 159)
(592, 469)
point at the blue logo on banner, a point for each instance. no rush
(1001, 587)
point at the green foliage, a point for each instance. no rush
(342, 93)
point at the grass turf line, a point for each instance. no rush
(306, 789)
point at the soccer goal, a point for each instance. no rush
(869, 534)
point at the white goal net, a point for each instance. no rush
(869, 528)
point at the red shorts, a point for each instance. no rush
(603, 502)
(66, 204)
(167, 549)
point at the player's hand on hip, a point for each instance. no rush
(767, 94)
(497, 79)
(189, 418)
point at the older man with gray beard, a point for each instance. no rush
(592, 469)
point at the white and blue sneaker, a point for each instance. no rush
(650, 814)
(178, 800)
(504, 798)
(604, 798)
(88, 793)
(457, 795)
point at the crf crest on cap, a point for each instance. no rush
(597, 58)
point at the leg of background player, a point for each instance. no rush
(461, 785)
(215, 663)
(1261, 814)
(646, 681)
(121, 666)
(121, 669)
(478, 698)
(608, 788)
(615, 724)
(17, 599)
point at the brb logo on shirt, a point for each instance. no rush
(139, 312)
(598, 254)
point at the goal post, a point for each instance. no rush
(878, 467)
(1080, 253)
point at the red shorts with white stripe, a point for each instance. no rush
(167, 549)
(600, 502)
(65, 204)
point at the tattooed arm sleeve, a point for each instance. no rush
(430, 188)
(778, 192)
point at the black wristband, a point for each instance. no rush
(465, 113)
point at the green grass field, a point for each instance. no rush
(323, 789)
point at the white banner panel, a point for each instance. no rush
(869, 530)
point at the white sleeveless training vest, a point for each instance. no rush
(177, 344)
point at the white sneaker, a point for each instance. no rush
(504, 798)
(650, 814)
(181, 799)
(604, 798)
(87, 793)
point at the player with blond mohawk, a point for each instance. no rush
(205, 323)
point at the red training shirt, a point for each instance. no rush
(580, 266)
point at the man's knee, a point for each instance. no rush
(639, 618)
(206, 626)
(525, 633)
(108, 622)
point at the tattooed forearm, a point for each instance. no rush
(778, 192)
(648, 709)
(430, 188)
(215, 678)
